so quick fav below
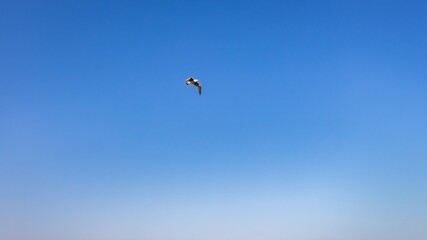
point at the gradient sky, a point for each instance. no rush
(312, 124)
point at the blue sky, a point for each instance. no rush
(311, 124)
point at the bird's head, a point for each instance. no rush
(189, 80)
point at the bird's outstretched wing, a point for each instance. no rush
(199, 87)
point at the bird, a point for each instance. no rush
(195, 82)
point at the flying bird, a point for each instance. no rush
(195, 82)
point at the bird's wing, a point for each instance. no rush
(199, 86)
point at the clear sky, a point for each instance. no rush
(312, 124)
